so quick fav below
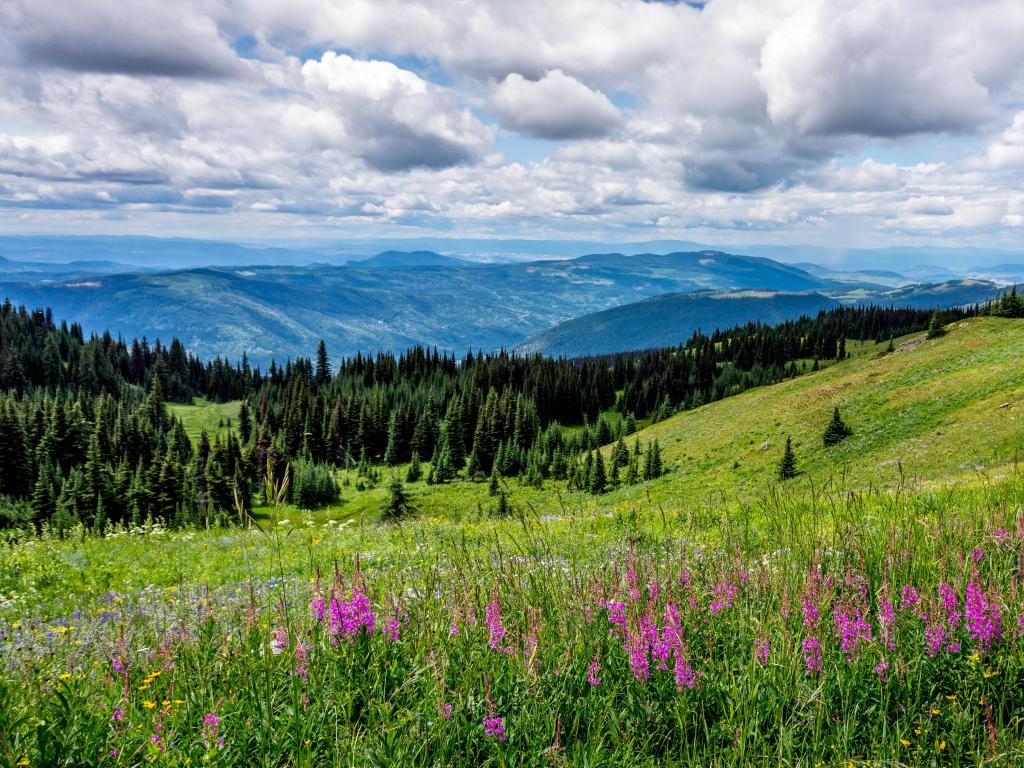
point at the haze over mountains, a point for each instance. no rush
(279, 302)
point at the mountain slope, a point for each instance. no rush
(284, 311)
(669, 319)
(936, 411)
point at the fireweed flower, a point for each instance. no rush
(723, 595)
(493, 726)
(592, 671)
(761, 650)
(617, 618)
(811, 610)
(444, 710)
(350, 617)
(317, 609)
(279, 640)
(851, 628)
(495, 627)
(908, 598)
(881, 668)
(117, 716)
(812, 656)
(982, 616)
(887, 620)
(211, 726)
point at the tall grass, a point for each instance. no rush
(814, 627)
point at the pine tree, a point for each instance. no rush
(415, 471)
(323, 365)
(787, 466)
(598, 480)
(502, 508)
(397, 504)
(244, 423)
(936, 327)
(652, 462)
(494, 485)
(837, 430)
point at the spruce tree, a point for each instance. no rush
(598, 482)
(397, 504)
(493, 486)
(415, 471)
(323, 365)
(936, 327)
(787, 466)
(836, 431)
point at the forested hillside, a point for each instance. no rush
(86, 435)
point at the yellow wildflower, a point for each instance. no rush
(24, 761)
(951, 698)
(936, 711)
(904, 742)
(942, 745)
(65, 676)
(149, 704)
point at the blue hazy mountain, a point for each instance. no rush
(670, 319)
(284, 310)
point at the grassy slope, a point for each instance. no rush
(933, 409)
(203, 414)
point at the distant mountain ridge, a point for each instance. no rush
(670, 319)
(283, 311)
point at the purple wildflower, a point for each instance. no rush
(493, 726)
(761, 649)
(592, 671)
(812, 656)
(983, 619)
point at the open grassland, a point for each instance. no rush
(869, 611)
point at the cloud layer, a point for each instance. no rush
(816, 120)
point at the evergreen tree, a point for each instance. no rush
(652, 461)
(397, 504)
(787, 466)
(415, 471)
(494, 485)
(936, 326)
(836, 431)
(323, 365)
(598, 480)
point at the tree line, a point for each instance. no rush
(85, 434)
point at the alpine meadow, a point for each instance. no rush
(610, 384)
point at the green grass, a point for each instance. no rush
(196, 617)
(202, 414)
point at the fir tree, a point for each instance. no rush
(787, 466)
(415, 471)
(598, 480)
(836, 431)
(397, 504)
(323, 365)
(494, 485)
(936, 327)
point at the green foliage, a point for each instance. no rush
(937, 325)
(312, 485)
(397, 504)
(787, 464)
(836, 431)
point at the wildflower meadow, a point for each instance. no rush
(812, 628)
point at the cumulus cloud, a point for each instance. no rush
(875, 69)
(784, 115)
(142, 37)
(556, 106)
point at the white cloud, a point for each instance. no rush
(554, 107)
(742, 116)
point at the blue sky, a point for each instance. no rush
(896, 122)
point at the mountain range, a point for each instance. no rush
(397, 299)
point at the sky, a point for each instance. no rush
(861, 124)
